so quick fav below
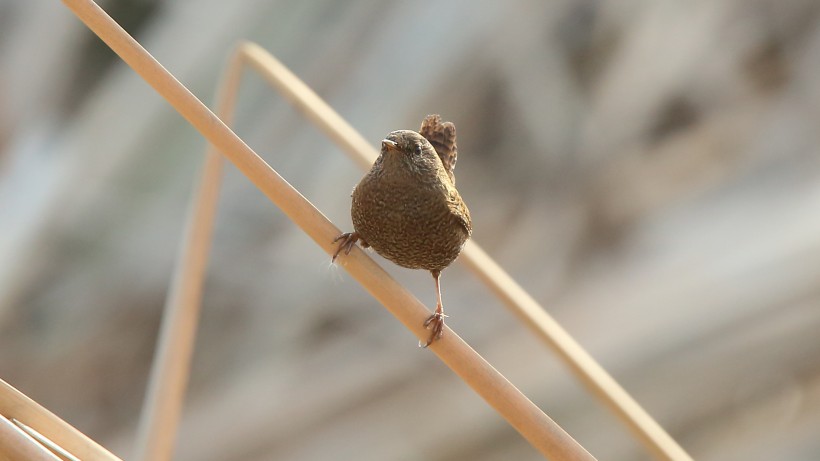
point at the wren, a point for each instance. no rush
(407, 207)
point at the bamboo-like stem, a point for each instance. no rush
(172, 363)
(17, 445)
(57, 450)
(592, 374)
(648, 431)
(14, 404)
(543, 433)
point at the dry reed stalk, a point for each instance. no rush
(591, 373)
(57, 450)
(16, 445)
(648, 431)
(543, 433)
(172, 363)
(14, 404)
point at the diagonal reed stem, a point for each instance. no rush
(172, 363)
(16, 444)
(535, 426)
(648, 431)
(55, 449)
(14, 404)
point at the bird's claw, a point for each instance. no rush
(434, 323)
(348, 240)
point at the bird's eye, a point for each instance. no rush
(418, 149)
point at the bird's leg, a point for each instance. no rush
(435, 322)
(348, 240)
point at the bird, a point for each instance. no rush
(407, 207)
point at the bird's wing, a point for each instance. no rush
(459, 209)
(442, 135)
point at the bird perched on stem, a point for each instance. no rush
(408, 209)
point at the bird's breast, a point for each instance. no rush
(407, 222)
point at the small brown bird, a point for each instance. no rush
(408, 209)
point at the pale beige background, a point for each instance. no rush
(648, 170)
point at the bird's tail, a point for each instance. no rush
(442, 135)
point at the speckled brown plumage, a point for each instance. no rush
(407, 206)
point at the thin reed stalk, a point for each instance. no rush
(172, 362)
(543, 433)
(57, 450)
(15, 405)
(524, 306)
(17, 445)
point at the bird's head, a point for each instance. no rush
(409, 148)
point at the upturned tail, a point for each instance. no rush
(442, 135)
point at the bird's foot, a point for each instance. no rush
(347, 242)
(434, 323)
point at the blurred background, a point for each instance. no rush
(649, 171)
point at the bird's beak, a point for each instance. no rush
(389, 145)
